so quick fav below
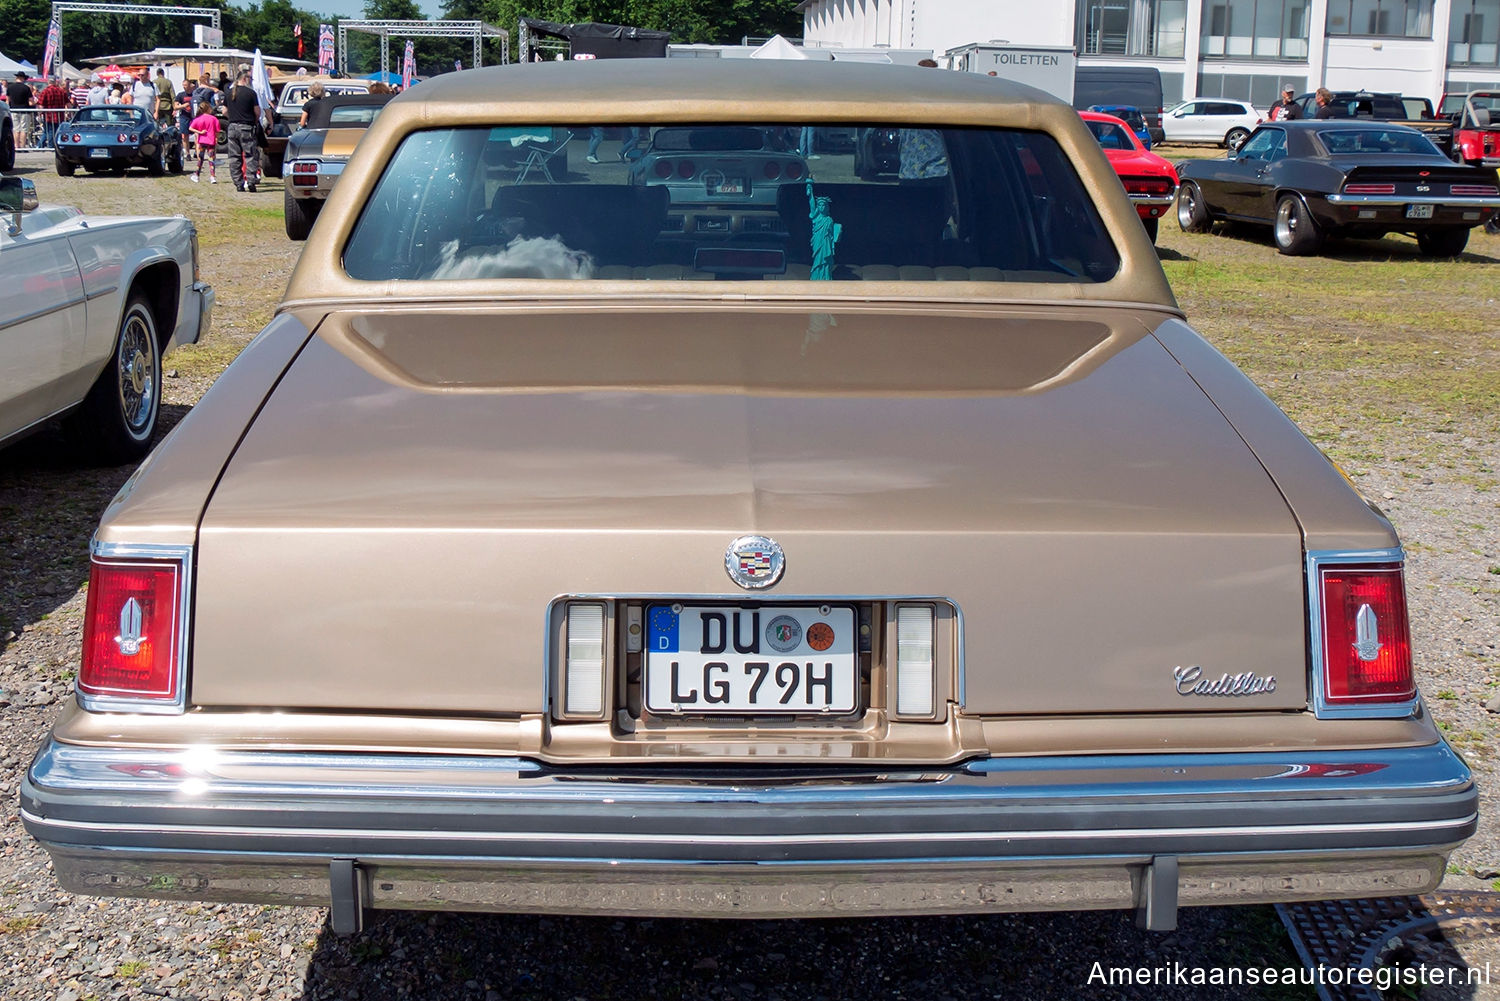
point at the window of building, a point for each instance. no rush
(1255, 29)
(1390, 18)
(1260, 89)
(1474, 33)
(1132, 27)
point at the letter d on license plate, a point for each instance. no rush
(749, 661)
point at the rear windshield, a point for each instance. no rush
(730, 202)
(1110, 135)
(124, 116)
(354, 114)
(1376, 141)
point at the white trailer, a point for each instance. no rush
(1046, 67)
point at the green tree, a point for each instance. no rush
(25, 28)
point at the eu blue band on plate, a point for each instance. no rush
(663, 630)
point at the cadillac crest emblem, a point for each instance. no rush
(754, 561)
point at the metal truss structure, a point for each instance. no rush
(477, 30)
(60, 7)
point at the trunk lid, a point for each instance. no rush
(422, 484)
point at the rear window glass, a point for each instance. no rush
(1375, 141)
(1110, 135)
(123, 116)
(354, 114)
(730, 202)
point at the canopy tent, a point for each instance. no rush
(387, 76)
(777, 47)
(591, 40)
(70, 72)
(171, 55)
(9, 67)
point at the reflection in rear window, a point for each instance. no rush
(730, 203)
(1376, 141)
(356, 114)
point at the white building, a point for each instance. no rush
(1245, 49)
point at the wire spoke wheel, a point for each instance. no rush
(138, 371)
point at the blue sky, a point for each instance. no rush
(356, 8)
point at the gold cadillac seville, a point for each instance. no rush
(611, 522)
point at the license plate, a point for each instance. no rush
(727, 186)
(704, 659)
(1419, 211)
(99, 153)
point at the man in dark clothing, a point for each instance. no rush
(244, 152)
(18, 95)
(1324, 99)
(1287, 109)
(18, 92)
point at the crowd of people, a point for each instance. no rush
(51, 102)
(194, 110)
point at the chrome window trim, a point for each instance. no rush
(183, 557)
(1316, 560)
(549, 653)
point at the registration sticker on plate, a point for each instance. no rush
(1419, 211)
(98, 152)
(749, 661)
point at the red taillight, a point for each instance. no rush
(304, 168)
(794, 171)
(773, 170)
(131, 631)
(1481, 190)
(686, 169)
(1366, 642)
(1147, 185)
(122, 137)
(1369, 189)
(77, 138)
(663, 169)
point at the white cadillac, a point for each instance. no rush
(88, 307)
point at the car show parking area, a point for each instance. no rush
(1388, 360)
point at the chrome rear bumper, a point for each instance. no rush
(508, 834)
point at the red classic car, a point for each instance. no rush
(1150, 181)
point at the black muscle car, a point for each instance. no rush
(1310, 180)
(316, 155)
(114, 137)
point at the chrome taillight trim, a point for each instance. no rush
(1316, 560)
(183, 557)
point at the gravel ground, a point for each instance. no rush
(59, 947)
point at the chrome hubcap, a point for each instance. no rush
(137, 375)
(1286, 222)
(1186, 206)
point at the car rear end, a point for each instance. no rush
(971, 582)
(1413, 198)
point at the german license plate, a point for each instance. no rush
(1419, 211)
(98, 153)
(751, 661)
(727, 186)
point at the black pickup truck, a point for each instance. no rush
(1382, 108)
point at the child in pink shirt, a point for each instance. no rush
(205, 129)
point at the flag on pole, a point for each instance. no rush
(297, 30)
(53, 54)
(325, 48)
(408, 65)
(260, 82)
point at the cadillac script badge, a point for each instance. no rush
(754, 561)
